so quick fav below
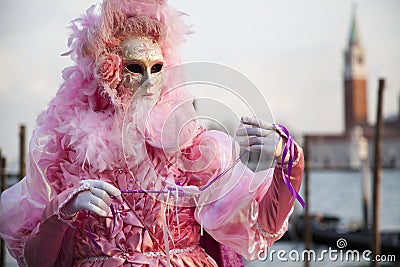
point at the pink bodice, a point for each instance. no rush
(137, 236)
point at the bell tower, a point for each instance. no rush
(355, 80)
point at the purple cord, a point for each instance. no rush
(91, 235)
(224, 172)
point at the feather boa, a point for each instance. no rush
(82, 119)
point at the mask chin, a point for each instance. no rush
(131, 90)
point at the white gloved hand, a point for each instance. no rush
(261, 137)
(97, 199)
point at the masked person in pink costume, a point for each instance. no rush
(119, 174)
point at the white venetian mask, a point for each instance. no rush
(142, 67)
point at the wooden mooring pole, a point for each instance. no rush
(308, 236)
(365, 194)
(376, 238)
(22, 161)
(3, 187)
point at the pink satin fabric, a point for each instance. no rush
(138, 228)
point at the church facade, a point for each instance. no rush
(356, 144)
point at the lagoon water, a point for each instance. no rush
(338, 193)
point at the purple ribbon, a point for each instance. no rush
(289, 146)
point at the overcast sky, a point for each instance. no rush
(292, 50)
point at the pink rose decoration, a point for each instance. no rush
(107, 70)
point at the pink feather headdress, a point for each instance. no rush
(83, 118)
(98, 33)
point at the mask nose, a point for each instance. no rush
(148, 81)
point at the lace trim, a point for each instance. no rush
(22, 257)
(148, 254)
(91, 259)
(266, 234)
(61, 215)
(171, 252)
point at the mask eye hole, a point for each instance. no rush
(156, 68)
(134, 68)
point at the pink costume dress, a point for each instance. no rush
(79, 137)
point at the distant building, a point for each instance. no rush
(347, 150)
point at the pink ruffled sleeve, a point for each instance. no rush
(30, 221)
(245, 211)
(278, 201)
